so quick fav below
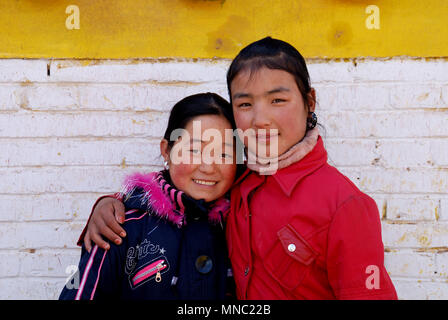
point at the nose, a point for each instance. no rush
(206, 168)
(261, 117)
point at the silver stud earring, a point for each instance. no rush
(166, 165)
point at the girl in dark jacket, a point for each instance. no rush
(175, 248)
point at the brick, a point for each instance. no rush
(385, 124)
(431, 152)
(417, 235)
(445, 95)
(388, 153)
(410, 264)
(119, 97)
(64, 207)
(412, 209)
(366, 70)
(8, 100)
(37, 263)
(380, 180)
(138, 71)
(443, 212)
(362, 152)
(9, 264)
(412, 152)
(400, 69)
(439, 152)
(416, 96)
(330, 71)
(337, 98)
(72, 152)
(23, 70)
(65, 179)
(31, 288)
(362, 97)
(48, 263)
(442, 263)
(87, 124)
(37, 235)
(415, 289)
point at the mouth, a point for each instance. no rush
(205, 182)
(266, 137)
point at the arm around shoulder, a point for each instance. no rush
(107, 213)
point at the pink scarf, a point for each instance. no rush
(268, 166)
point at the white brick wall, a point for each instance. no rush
(72, 135)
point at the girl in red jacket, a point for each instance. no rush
(298, 228)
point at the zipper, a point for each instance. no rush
(160, 266)
(159, 275)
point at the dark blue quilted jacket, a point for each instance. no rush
(174, 249)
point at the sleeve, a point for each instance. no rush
(355, 256)
(83, 233)
(98, 276)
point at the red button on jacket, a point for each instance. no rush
(306, 232)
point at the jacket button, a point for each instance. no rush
(204, 264)
(246, 271)
(292, 247)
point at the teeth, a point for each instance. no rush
(207, 183)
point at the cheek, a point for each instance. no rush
(242, 119)
(294, 128)
(294, 118)
(181, 174)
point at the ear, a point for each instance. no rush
(164, 150)
(311, 100)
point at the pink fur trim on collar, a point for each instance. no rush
(163, 205)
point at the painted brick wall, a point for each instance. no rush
(71, 130)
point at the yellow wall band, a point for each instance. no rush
(220, 28)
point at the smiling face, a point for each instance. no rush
(270, 99)
(208, 180)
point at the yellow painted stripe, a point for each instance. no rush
(220, 28)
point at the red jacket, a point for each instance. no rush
(306, 232)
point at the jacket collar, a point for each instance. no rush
(154, 192)
(288, 178)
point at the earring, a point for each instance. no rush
(311, 121)
(166, 166)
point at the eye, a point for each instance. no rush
(225, 155)
(244, 105)
(195, 151)
(278, 100)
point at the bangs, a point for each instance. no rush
(279, 61)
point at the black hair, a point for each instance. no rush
(273, 54)
(197, 105)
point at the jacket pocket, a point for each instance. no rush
(290, 258)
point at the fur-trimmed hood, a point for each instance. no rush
(152, 192)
